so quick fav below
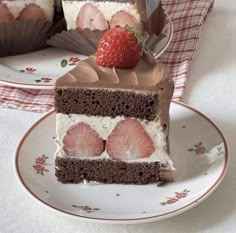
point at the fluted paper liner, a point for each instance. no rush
(19, 36)
(82, 41)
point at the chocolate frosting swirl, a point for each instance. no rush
(145, 76)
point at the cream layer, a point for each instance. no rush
(71, 10)
(104, 127)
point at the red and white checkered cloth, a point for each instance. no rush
(187, 17)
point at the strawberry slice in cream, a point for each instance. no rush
(27, 9)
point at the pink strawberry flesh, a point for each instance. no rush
(123, 18)
(129, 141)
(5, 14)
(31, 11)
(82, 141)
(91, 17)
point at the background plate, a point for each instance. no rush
(192, 136)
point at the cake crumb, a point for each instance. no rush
(161, 183)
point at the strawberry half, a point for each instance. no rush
(5, 14)
(82, 141)
(91, 17)
(129, 141)
(31, 11)
(119, 48)
(122, 18)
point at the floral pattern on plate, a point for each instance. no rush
(177, 197)
(199, 149)
(86, 208)
(71, 61)
(28, 70)
(44, 80)
(40, 164)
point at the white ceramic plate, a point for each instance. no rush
(199, 153)
(39, 70)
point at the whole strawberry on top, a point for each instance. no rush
(120, 48)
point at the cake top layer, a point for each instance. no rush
(145, 76)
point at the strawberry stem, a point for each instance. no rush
(137, 34)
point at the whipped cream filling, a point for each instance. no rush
(104, 127)
(71, 10)
(15, 7)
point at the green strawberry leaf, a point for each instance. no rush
(137, 34)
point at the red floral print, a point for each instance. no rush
(86, 208)
(40, 160)
(74, 59)
(199, 149)
(181, 195)
(38, 167)
(44, 80)
(178, 196)
(171, 201)
(40, 163)
(30, 69)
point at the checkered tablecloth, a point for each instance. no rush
(187, 17)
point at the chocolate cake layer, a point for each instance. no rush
(106, 103)
(70, 170)
(144, 92)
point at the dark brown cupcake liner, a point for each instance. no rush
(82, 41)
(24, 36)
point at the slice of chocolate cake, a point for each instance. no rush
(112, 123)
(99, 14)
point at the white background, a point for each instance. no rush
(211, 88)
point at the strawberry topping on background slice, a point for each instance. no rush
(5, 14)
(122, 18)
(129, 141)
(120, 48)
(82, 141)
(91, 17)
(31, 11)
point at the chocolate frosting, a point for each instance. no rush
(145, 76)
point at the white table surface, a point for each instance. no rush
(211, 88)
